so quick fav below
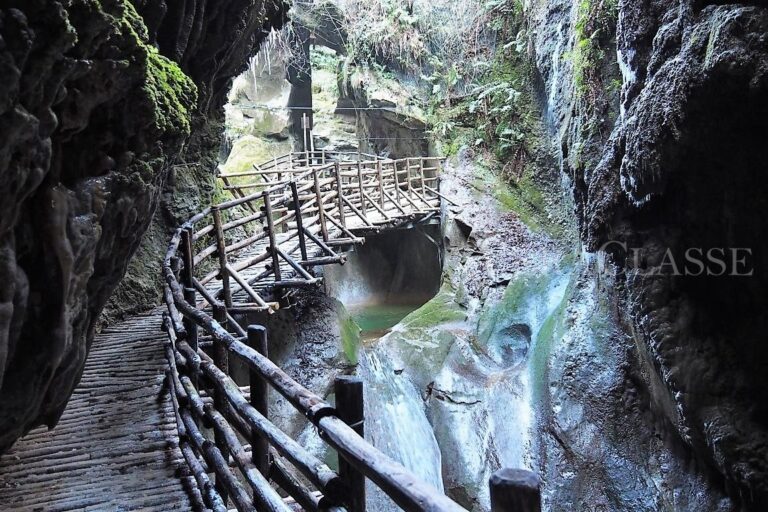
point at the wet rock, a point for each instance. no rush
(677, 165)
(388, 121)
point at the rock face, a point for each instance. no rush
(387, 120)
(213, 43)
(93, 116)
(681, 171)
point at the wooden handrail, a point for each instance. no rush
(310, 209)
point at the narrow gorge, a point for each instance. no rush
(479, 255)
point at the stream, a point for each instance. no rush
(396, 422)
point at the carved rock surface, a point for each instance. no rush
(92, 116)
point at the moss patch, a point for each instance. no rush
(524, 197)
(441, 309)
(171, 93)
(247, 151)
(350, 335)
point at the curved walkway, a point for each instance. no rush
(129, 438)
(307, 209)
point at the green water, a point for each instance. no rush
(375, 320)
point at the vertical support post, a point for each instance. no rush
(350, 408)
(320, 207)
(380, 177)
(257, 340)
(363, 207)
(340, 199)
(272, 239)
(397, 181)
(221, 249)
(192, 335)
(323, 150)
(304, 124)
(299, 221)
(190, 295)
(421, 176)
(408, 177)
(221, 360)
(311, 140)
(515, 490)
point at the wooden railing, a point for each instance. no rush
(306, 208)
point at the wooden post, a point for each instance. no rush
(306, 142)
(190, 295)
(408, 177)
(380, 176)
(421, 176)
(257, 340)
(397, 182)
(221, 360)
(360, 187)
(320, 207)
(311, 140)
(299, 221)
(350, 408)
(221, 249)
(272, 239)
(515, 490)
(192, 334)
(340, 199)
(187, 255)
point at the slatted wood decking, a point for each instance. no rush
(116, 446)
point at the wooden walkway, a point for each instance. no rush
(235, 263)
(132, 439)
(299, 212)
(115, 448)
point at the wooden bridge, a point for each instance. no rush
(232, 263)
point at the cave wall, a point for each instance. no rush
(213, 43)
(94, 118)
(400, 266)
(670, 161)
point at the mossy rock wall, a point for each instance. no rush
(92, 119)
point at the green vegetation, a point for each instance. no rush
(495, 110)
(386, 31)
(170, 92)
(441, 309)
(173, 93)
(474, 88)
(350, 335)
(596, 22)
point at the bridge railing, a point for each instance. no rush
(218, 424)
(293, 221)
(300, 216)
